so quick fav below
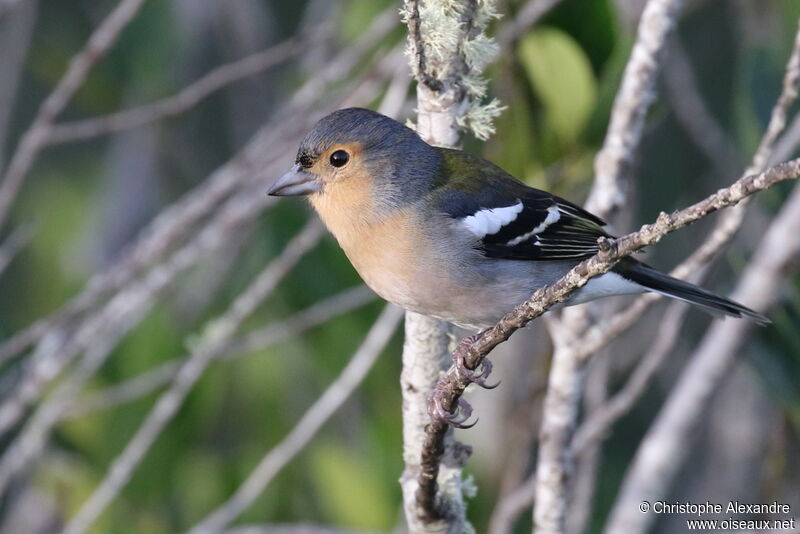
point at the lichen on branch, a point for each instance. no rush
(448, 48)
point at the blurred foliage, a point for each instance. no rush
(558, 79)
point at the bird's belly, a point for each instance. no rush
(437, 290)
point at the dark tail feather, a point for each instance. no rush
(678, 289)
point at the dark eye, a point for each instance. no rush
(339, 158)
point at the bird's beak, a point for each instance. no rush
(295, 182)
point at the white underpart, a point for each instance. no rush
(606, 285)
(489, 221)
(553, 215)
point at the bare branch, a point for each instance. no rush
(449, 93)
(28, 445)
(787, 145)
(630, 106)
(597, 424)
(249, 166)
(663, 449)
(63, 343)
(726, 226)
(148, 382)
(79, 66)
(189, 96)
(512, 505)
(215, 335)
(528, 16)
(15, 37)
(452, 384)
(322, 410)
(609, 191)
(693, 114)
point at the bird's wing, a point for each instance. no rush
(513, 221)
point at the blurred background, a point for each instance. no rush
(204, 127)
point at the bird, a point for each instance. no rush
(448, 234)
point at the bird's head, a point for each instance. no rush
(356, 151)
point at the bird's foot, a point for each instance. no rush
(457, 418)
(474, 376)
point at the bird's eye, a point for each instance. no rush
(339, 158)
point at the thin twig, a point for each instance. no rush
(788, 144)
(709, 363)
(63, 343)
(693, 114)
(187, 97)
(431, 479)
(35, 136)
(452, 384)
(597, 424)
(512, 505)
(587, 464)
(608, 194)
(318, 313)
(321, 411)
(526, 17)
(603, 332)
(664, 449)
(726, 226)
(59, 348)
(28, 445)
(216, 335)
(633, 100)
(249, 166)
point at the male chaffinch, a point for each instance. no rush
(450, 235)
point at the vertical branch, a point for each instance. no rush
(608, 194)
(633, 99)
(447, 51)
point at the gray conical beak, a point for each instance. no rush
(295, 182)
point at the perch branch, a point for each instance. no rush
(663, 449)
(452, 385)
(608, 194)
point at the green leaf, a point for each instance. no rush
(562, 79)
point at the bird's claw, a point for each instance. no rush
(473, 376)
(457, 418)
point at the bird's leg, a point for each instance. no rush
(458, 415)
(473, 376)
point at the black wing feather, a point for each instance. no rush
(476, 184)
(573, 236)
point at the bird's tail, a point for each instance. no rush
(678, 289)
